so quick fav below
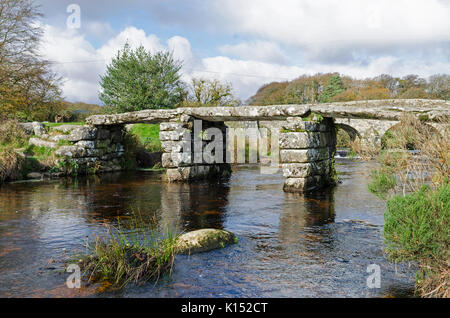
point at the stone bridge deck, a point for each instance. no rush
(428, 110)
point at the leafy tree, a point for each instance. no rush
(333, 88)
(137, 80)
(28, 87)
(414, 92)
(439, 86)
(388, 82)
(205, 92)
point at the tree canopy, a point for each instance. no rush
(29, 89)
(137, 79)
(205, 92)
(334, 87)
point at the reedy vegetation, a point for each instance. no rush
(416, 186)
(136, 254)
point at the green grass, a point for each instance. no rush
(416, 229)
(39, 153)
(148, 135)
(416, 225)
(382, 181)
(63, 142)
(60, 124)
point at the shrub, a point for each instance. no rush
(416, 222)
(343, 139)
(416, 229)
(132, 146)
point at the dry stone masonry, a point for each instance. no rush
(307, 154)
(93, 148)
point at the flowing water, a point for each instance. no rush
(290, 245)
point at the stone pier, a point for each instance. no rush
(307, 154)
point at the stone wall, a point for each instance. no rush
(92, 149)
(307, 154)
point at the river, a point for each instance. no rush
(290, 245)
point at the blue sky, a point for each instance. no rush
(250, 43)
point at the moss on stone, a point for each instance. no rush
(204, 240)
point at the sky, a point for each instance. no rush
(248, 43)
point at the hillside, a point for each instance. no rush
(334, 87)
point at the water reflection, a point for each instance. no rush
(188, 207)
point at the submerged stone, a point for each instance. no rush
(204, 240)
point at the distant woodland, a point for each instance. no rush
(333, 87)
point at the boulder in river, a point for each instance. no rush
(34, 175)
(204, 240)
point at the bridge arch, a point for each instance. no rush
(389, 133)
(352, 132)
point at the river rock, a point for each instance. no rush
(204, 240)
(34, 128)
(66, 128)
(43, 143)
(34, 175)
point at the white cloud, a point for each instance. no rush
(249, 64)
(135, 37)
(181, 49)
(317, 25)
(100, 30)
(263, 51)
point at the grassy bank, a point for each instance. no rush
(417, 229)
(18, 157)
(417, 190)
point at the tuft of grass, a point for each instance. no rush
(63, 142)
(137, 255)
(11, 134)
(382, 181)
(44, 155)
(10, 164)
